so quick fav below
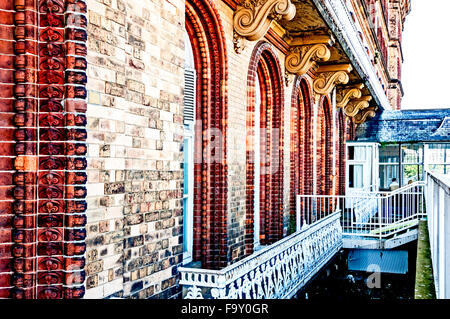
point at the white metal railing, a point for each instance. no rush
(276, 271)
(438, 208)
(371, 214)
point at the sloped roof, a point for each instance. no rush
(385, 261)
(406, 126)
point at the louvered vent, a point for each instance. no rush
(189, 95)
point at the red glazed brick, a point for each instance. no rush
(210, 213)
(266, 66)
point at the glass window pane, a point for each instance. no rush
(186, 167)
(436, 168)
(360, 153)
(412, 153)
(389, 154)
(412, 173)
(438, 153)
(357, 153)
(351, 153)
(387, 174)
(356, 176)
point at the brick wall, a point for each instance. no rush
(6, 145)
(135, 72)
(134, 126)
(43, 100)
(238, 69)
(236, 145)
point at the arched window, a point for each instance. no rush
(341, 152)
(324, 154)
(209, 202)
(264, 203)
(301, 144)
(349, 129)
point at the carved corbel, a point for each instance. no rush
(288, 78)
(354, 106)
(253, 19)
(346, 94)
(362, 116)
(302, 58)
(329, 76)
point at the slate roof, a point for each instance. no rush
(406, 126)
(388, 261)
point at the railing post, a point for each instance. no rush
(379, 227)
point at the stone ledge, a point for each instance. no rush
(424, 288)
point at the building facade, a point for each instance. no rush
(140, 136)
(410, 142)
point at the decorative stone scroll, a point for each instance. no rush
(253, 18)
(329, 76)
(344, 95)
(302, 58)
(354, 106)
(364, 114)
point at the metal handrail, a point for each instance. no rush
(276, 271)
(374, 214)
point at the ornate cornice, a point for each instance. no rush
(354, 106)
(362, 116)
(344, 95)
(302, 58)
(253, 18)
(277, 40)
(329, 76)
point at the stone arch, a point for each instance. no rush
(341, 159)
(324, 147)
(265, 65)
(349, 129)
(205, 32)
(301, 170)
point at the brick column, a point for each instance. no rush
(6, 142)
(48, 99)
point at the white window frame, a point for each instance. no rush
(188, 209)
(370, 166)
(189, 140)
(428, 161)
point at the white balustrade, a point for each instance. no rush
(372, 214)
(438, 209)
(276, 271)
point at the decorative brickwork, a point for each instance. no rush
(301, 142)
(47, 98)
(7, 145)
(210, 205)
(350, 129)
(92, 143)
(340, 158)
(324, 150)
(265, 65)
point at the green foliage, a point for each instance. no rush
(292, 224)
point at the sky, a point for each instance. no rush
(426, 51)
